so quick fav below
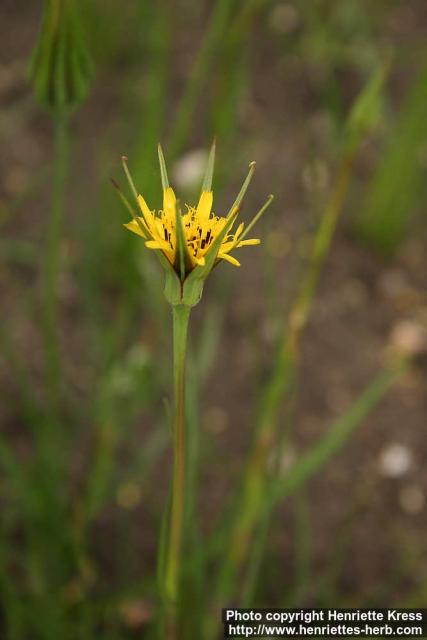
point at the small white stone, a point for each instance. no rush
(409, 338)
(395, 460)
(189, 170)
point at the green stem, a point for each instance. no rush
(52, 263)
(181, 314)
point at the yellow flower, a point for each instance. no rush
(200, 226)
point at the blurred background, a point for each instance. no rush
(85, 363)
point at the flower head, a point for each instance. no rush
(191, 242)
(199, 225)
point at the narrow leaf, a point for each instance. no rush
(124, 199)
(129, 177)
(317, 457)
(163, 171)
(131, 210)
(238, 200)
(181, 253)
(207, 181)
(256, 218)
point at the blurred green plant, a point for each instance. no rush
(398, 185)
(256, 487)
(61, 67)
(61, 72)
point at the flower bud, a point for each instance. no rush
(61, 67)
(366, 110)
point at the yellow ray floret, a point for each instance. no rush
(199, 224)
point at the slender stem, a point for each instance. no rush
(181, 314)
(51, 264)
(50, 446)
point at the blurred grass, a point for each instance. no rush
(255, 490)
(397, 190)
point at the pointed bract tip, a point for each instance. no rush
(238, 200)
(163, 171)
(207, 180)
(256, 217)
(129, 177)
